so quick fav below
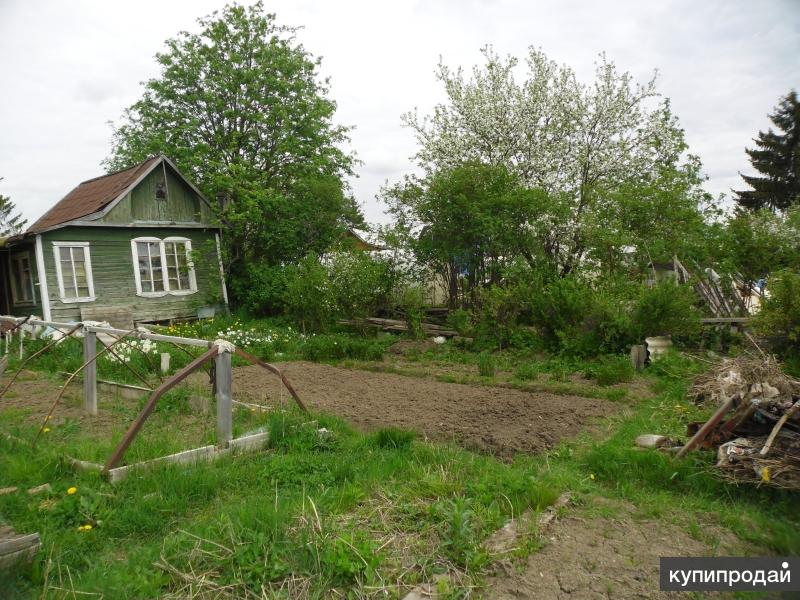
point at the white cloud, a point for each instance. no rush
(68, 68)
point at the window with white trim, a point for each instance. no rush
(163, 267)
(22, 278)
(74, 271)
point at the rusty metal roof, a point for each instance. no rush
(91, 196)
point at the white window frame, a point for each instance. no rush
(87, 261)
(17, 257)
(164, 276)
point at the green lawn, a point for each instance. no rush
(325, 507)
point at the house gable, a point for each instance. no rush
(162, 197)
(130, 198)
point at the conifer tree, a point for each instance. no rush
(10, 223)
(777, 158)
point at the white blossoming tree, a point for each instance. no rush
(594, 150)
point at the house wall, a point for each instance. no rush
(182, 204)
(113, 272)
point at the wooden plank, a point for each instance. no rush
(722, 320)
(83, 465)
(638, 356)
(224, 379)
(248, 443)
(22, 556)
(90, 372)
(18, 542)
(120, 317)
(205, 453)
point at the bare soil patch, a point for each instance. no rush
(491, 419)
(33, 394)
(607, 551)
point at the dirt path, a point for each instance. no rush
(605, 550)
(491, 419)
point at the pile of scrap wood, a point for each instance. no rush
(725, 296)
(756, 428)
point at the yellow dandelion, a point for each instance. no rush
(591, 476)
(72, 490)
(765, 474)
(46, 430)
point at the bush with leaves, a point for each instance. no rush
(498, 318)
(578, 318)
(780, 312)
(263, 288)
(412, 304)
(359, 283)
(666, 309)
(307, 295)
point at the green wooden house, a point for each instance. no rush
(129, 247)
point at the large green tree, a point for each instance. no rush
(593, 152)
(240, 108)
(777, 158)
(10, 223)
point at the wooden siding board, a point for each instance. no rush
(181, 205)
(112, 269)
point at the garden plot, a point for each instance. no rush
(491, 419)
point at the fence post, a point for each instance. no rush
(90, 372)
(165, 356)
(224, 401)
(21, 336)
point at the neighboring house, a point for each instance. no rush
(133, 246)
(360, 240)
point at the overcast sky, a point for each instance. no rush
(67, 68)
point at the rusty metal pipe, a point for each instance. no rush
(64, 388)
(170, 383)
(35, 354)
(276, 371)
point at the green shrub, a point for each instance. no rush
(577, 319)
(666, 309)
(610, 370)
(498, 318)
(412, 304)
(307, 296)
(261, 289)
(486, 364)
(780, 312)
(527, 371)
(359, 283)
(460, 320)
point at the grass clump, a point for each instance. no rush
(611, 370)
(394, 438)
(486, 364)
